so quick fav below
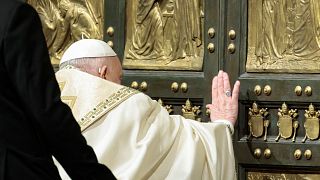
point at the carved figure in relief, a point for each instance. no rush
(147, 41)
(190, 111)
(311, 124)
(286, 123)
(170, 24)
(306, 32)
(65, 22)
(271, 41)
(258, 125)
(188, 28)
(284, 35)
(166, 30)
(52, 24)
(167, 107)
(288, 29)
(78, 21)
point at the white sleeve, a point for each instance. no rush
(227, 123)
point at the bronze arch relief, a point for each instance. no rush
(164, 34)
(283, 36)
(66, 21)
(281, 176)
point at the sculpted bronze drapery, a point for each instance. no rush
(164, 34)
(284, 36)
(281, 176)
(66, 21)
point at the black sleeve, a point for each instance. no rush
(27, 62)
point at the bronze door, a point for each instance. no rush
(277, 60)
(169, 50)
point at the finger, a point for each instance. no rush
(226, 82)
(235, 92)
(209, 106)
(214, 90)
(220, 85)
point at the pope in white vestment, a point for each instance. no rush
(136, 138)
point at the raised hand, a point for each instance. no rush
(224, 102)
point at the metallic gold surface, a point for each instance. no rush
(174, 87)
(189, 111)
(211, 32)
(167, 107)
(135, 85)
(295, 127)
(164, 35)
(267, 153)
(110, 43)
(286, 123)
(311, 123)
(308, 91)
(258, 126)
(143, 86)
(308, 154)
(184, 87)
(267, 90)
(232, 48)
(298, 90)
(257, 90)
(110, 31)
(283, 36)
(211, 47)
(208, 112)
(61, 85)
(257, 153)
(69, 100)
(297, 154)
(281, 176)
(232, 34)
(66, 21)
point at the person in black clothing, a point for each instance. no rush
(34, 124)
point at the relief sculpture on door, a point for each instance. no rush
(164, 35)
(65, 22)
(284, 36)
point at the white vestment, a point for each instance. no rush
(136, 138)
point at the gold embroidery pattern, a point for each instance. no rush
(69, 100)
(61, 85)
(105, 106)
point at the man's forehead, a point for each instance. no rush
(111, 57)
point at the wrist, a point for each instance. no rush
(229, 124)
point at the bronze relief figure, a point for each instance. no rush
(284, 36)
(164, 34)
(66, 21)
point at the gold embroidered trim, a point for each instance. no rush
(69, 100)
(105, 106)
(61, 85)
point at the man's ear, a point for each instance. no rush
(103, 71)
